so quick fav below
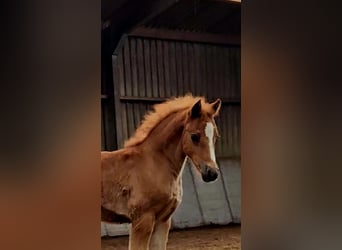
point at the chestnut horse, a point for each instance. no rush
(141, 183)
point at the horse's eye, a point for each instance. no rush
(195, 138)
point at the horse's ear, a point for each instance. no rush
(196, 110)
(216, 105)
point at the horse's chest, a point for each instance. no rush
(170, 202)
(177, 193)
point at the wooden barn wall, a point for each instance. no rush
(145, 72)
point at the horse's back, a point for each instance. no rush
(121, 156)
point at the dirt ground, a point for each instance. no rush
(212, 238)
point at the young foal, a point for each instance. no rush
(141, 183)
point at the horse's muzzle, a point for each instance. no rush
(208, 173)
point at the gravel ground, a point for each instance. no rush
(213, 238)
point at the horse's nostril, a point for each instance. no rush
(214, 175)
(209, 174)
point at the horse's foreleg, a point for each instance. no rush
(141, 231)
(160, 235)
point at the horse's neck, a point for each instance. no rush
(166, 139)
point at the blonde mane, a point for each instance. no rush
(161, 111)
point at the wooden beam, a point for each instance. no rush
(229, 1)
(186, 36)
(160, 99)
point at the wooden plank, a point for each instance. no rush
(220, 72)
(208, 74)
(160, 68)
(192, 71)
(216, 68)
(237, 133)
(142, 99)
(203, 71)
(233, 71)
(109, 124)
(124, 127)
(147, 61)
(160, 99)
(134, 67)
(223, 131)
(143, 111)
(136, 111)
(179, 69)
(182, 36)
(210, 84)
(219, 140)
(210, 65)
(185, 60)
(173, 71)
(229, 118)
(148, 107)
(154, 70)
(225, 128)
(215, 72)
(237, 74)
(228, 73)
(141, 68)
(197, 75)
(118, 77)
(166, 60)
(232, 131)
(130, 119)
(127, 68)
(238, 67)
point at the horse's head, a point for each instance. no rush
(199, 138)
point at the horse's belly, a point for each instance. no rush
(112, 217)
(115, 199)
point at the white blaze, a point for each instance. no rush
(209, 132)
